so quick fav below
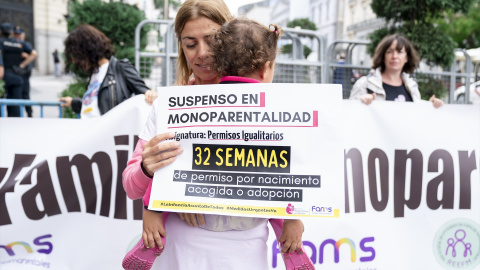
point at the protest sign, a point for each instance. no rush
(252, 150)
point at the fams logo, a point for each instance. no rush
(322, 209)
(367, 252)
(39, 244)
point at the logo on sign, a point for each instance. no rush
(290, 208)
(37, 242)
(457, 244)
(318, 210)
(320, 253)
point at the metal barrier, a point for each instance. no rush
(156, 62)
(157, 66)
(22, 103)
(294, 68)
(450, 79)
(349, 71)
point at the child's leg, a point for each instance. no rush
(140, 257)
(298, 260)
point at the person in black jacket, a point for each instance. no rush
(19, 34)
(14, 65)
(111, 81)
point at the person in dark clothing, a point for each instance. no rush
(56, 62)
(111, 81)
(19, 34)
(340, 73)
(14, 65)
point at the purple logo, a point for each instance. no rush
(452, 244)
(40, 244)
(456, 244)
(321, 252)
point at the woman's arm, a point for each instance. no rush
(148, 157)
(135, 84)
(359, 91)
(135, 181)
(359, 88)
(75, 103)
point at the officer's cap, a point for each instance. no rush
(6, 28)
(18, 29)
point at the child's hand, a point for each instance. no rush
(291, 235)
(152, 229)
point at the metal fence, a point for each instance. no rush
(22, 103)
(156, 62)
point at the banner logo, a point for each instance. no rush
(457, 244)
(321, 253)
(290, 208)
(38, 242)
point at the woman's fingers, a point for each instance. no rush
(154, 163)
(437, 103)
(150, 96)
(368, 98)
(67, 100)
(191, 219)
(158, 138)
(158, 154)
(201, 219)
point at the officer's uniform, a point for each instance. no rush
(26, 77)
(12, 57)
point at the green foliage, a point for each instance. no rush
(416, 11)
(2, 88)
(287, 49)
(76, 89)
(429, 86)
(304, 23)
(115, 19)
(415, 20)
(463, 28)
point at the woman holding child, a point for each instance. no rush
(198, 241)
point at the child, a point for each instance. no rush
(245, 50)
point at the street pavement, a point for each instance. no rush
(47, 88)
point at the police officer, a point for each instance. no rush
(14, 65)
(19, 35)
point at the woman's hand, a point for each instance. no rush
(368, 98)
(291, 238)
(150, 96)
(157, 155)
(191, 219)
(437, 103)
(68, 101)
(153, 229)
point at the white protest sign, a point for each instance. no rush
(252, 150)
